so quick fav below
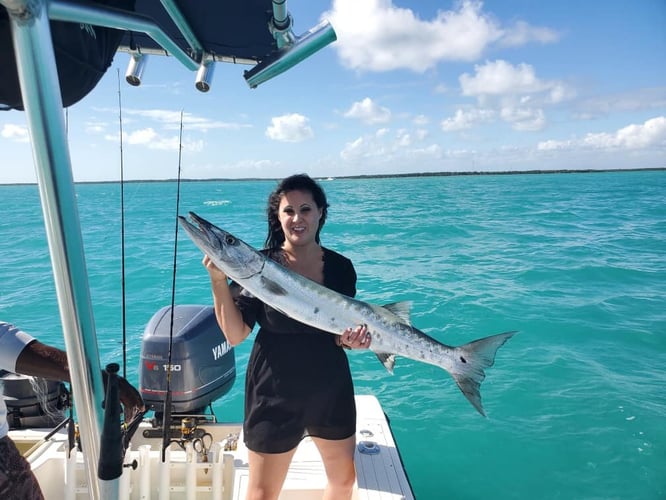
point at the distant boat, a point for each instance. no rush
(188, 454)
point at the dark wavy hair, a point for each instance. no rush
(298, 182)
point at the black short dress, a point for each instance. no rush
(298, 381)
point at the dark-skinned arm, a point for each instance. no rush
(41, 360)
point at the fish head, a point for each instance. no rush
(232, 255)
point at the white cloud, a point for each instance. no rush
(143, 136)
(359, 148)
(514, 92)
(376, 35)
(502, 78)
(403, 138)
(651, 134)
(95, 127)
(289, 128)
(16, 133)
(524, 118)
(369, 112)
(152, 140)
(384, 147)
(464, 120)
(246, 168)
(171, 120)
(633, 100)
(522, 33)
(421, 120)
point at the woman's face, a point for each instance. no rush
(299, 217)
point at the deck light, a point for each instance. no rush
(135, 68)
(205, 75)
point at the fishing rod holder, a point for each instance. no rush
(294, 50)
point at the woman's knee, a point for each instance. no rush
(343, 478)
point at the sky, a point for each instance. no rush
(410, 86)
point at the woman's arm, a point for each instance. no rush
(229, 317)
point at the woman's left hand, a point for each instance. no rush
(355, 338)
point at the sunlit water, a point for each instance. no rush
(576, 401)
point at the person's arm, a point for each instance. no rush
(41, 360)
(229, 317)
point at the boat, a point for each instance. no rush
(182, 452)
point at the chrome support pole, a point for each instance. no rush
(281, 25)
(281, 18)
(184, 27)
(40, 90)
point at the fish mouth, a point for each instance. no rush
(214, 241)
(211, 238)
(202, 223)
(199, 228)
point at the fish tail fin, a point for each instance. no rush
(470, 362)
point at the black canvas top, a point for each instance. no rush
(231, 28)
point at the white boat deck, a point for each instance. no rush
(380, 473)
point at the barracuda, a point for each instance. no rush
(313, 304)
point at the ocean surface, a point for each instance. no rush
(576, 263)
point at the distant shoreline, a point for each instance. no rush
(377, 176)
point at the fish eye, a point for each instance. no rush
(230, 240)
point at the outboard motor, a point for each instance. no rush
(32, 401)
(203, 364)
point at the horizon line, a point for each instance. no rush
(368, 176)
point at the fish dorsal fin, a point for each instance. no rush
(401, 309)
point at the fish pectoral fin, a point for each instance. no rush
(273, 287)
(387, 359)
(402, 310)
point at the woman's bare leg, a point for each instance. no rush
(267, 474)
(338, 458)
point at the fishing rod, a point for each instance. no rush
(122, 230)
(166, 416)
(112, 439)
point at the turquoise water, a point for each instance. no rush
(576, 401)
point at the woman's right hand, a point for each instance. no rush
(216, 274)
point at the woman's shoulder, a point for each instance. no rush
(339, 272)
(336, 261)
(332, 255)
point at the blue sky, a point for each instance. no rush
(410, 86)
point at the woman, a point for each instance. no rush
(298, 380)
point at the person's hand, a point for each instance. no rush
(355, 338)
(216, 274)
(133, 405)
